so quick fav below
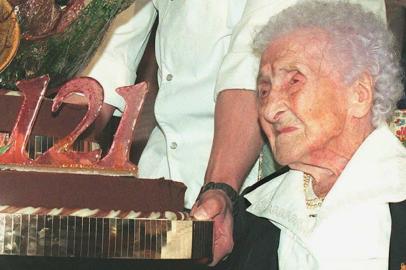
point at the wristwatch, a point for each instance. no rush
(228, 190)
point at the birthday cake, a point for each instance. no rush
(53, 203)
(76, 180)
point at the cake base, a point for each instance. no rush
(95, 216)
(104, 238)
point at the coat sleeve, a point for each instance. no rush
(116, 60)
(255, 241)
(397, 249)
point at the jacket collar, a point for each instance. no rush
(375, 173)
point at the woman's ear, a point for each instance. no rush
(361, 95)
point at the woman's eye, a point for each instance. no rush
(263, 93)
(295, 78)
(263, 90)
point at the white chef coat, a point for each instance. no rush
(116, 60)
(202, 48)
(353, 226)
(192, 39)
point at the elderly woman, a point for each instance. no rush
(328, 82)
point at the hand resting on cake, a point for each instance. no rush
(216, 205)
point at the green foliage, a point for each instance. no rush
(62, 55)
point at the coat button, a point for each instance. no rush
(169, 77)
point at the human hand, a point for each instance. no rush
(215, 205)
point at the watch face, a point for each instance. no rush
(9, 34)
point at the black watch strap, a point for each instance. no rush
(228, 190)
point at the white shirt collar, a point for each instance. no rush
(375, 173)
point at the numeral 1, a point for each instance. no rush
(118, 155)
(33, 93)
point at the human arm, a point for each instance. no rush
(236, 145)
(237, 138)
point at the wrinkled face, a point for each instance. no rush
(302, 99)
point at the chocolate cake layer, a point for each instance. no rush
(60, 190)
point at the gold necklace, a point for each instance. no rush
(312, 201)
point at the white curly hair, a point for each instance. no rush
(356, 34)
